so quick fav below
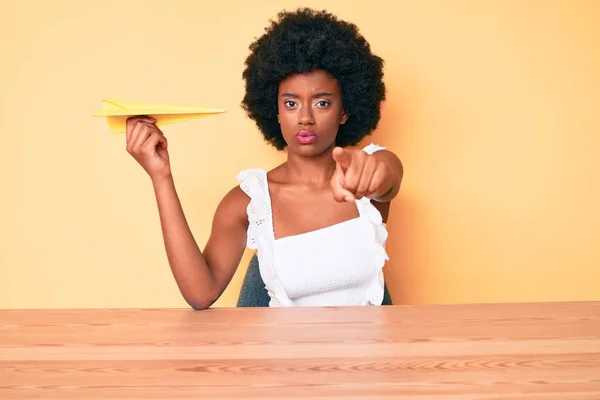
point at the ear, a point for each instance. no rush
(344, 117)
(278, 121)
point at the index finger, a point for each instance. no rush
(339, 192)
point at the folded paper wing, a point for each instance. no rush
(116, 113)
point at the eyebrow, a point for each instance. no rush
(320, 94)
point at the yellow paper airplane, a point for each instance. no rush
(116, 113)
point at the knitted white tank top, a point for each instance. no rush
(339, 265)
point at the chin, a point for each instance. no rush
(310, 150)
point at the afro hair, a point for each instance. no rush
(307, 40)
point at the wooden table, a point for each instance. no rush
(505, 351)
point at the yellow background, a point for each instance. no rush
(492, 106)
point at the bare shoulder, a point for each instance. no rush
(233, 206)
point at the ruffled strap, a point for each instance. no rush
(375, 292)
(372, 148)
(367, 210)
(260, 235)
(258, 210)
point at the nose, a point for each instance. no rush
(306, 117)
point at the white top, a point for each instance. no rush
(343, 263)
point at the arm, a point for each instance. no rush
(202, 276)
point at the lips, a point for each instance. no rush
(306, 137)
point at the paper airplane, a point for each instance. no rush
(116, 113)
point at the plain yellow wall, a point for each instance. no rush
(492, 106)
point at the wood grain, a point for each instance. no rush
(495, 351)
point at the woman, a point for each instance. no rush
(317, 221)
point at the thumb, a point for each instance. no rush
(342, 157)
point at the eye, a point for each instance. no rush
(323, 103)
(289, 103)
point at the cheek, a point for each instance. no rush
(286, 122)
(330, 120)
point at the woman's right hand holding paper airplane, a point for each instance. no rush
(148, 146)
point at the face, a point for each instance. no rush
(310, 112)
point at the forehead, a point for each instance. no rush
(310, 82)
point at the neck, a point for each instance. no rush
(314, 171)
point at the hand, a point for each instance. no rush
(357, 174)
(148, 146)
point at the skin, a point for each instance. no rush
(313, 189)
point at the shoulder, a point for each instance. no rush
(233, 206)
(236, 197)
(253, 190)
(253, 182)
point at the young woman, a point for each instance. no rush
(317, 221)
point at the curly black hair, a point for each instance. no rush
(303, 41)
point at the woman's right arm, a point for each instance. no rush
(201, 276)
